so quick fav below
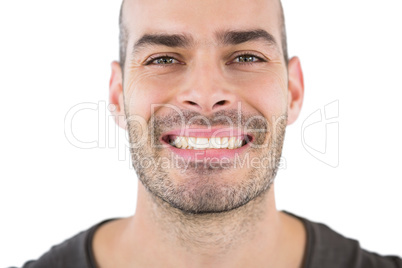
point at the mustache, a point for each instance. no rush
(221, 118)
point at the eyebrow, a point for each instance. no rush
(223, 37)
(169, 40)
(239, 37)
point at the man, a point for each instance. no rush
(205, 90)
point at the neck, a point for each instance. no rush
(211, 233)
(252, 233)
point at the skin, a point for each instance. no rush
(206, 79)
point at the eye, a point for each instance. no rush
(164, 60)
(247, 58)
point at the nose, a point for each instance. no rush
(206, 90)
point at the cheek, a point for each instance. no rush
(147, 92)
(264, 91)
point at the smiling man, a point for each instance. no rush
(205, 90)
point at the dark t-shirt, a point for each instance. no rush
(325, 249)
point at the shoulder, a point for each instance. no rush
(74, 252)
(327, 248)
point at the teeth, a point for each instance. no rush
(184, 143)
(232, 143)
(239, 143)
(192, 142)
(215, 143)
(177, 142)
(202, 143)
(205, 143)
(225, 142)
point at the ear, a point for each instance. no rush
(116, 98)
(295, 89)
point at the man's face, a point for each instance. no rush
(210, 82)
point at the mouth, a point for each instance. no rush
(215, 140)
(205, 143)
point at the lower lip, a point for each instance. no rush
(207, 154)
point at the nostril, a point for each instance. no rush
(192, 103)
(219, 103)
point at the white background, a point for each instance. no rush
(56, 54)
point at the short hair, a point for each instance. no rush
(123, 37)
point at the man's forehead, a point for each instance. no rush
(199, 17)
